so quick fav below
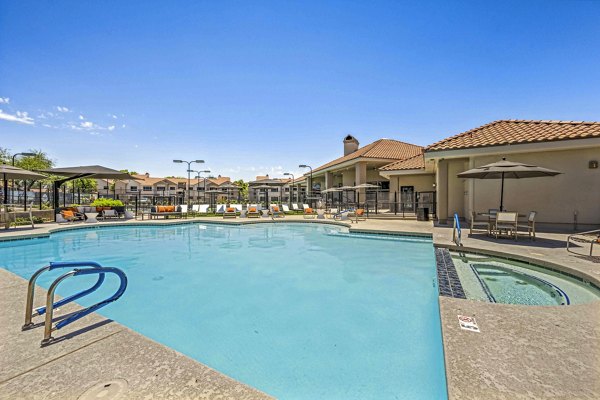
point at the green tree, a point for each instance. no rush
(243, 188)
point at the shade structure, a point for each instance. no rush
(10, 172)
(330, 190)
(507, 170)
(89, 171)
(363, 186)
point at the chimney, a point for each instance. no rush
(350, 144)
(147, 175)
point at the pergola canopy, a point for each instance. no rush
(89, 171)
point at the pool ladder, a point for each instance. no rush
(79, 268)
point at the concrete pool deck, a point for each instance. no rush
(522, 352)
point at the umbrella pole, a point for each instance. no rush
(5, 200)
(502, 193)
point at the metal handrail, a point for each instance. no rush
(29, 311)
(48, 328)
(456, 231)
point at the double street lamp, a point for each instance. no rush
(292, 175)
(311, 181)
(189, 163)
(206, 171)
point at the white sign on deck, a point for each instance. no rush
(468, 323)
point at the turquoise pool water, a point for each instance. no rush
(299, 311)
(497, 280)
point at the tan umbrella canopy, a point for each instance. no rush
(89, 171)
(10, 172)
(507, 170)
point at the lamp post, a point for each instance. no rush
(189, 163)
(26, 154)
(206, 171)
(311, 182)
(291, 194)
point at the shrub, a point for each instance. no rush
(25, 221)
(107, 203)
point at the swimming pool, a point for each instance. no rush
(506, 281)
(298, 311)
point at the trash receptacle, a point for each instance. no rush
(423, 214)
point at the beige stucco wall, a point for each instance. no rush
(457, 188)
(556, 199)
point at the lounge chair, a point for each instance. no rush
(69, 216)
(276, 211)
(358, 215)
(309, 213)
(200, 209)
(305, 206)
(320, 214)
(475, 223)
(183, 209)
(238, 207)
(229, 212)
(253, 212)
(285, 208)
(331, 213)
(219, 208)
(506, 222)
(530, 225)
(295, 208)
(109, 214)
(591, 237)
(341, 216)
(164, 211)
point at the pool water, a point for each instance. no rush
(511, 282)
(299, 311)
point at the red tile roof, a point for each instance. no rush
(505, 132)
(382, 148)
(415, 162)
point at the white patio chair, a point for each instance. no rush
(295, 207)
(109, 214)
(506, 222)
(530, 225)
(475, 223)
(285, 208)
(219, 208)
(203, 208)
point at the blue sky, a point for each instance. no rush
(260, 87)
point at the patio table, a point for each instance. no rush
(91, 217)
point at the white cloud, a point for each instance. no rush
(111, 128)
(4, 100)
(47, 125)
(87, 124)
(123, 126)
(20, 117)
(114, 116)
(62, 109)
(81, 117)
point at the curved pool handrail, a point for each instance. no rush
(48, 328)
(30, 312)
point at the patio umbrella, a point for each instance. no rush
(507, 170)
(363, 186)
(10, 172)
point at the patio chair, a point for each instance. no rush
(305, 206)
(253, 212)
(331, 213)
(109, 214)
(475, 223)
(285, 208)
(219, 208)
(276, 211)
(238, 207)
(506, 222)
(203, 209)
(591, 237)
(183, 209)
(295, 208)
(530, 225)
(320, 213)
(230, 212)
(309, 213)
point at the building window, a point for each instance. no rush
(160, 188)
(147, 188)
(287, 189)
(105, 188)
(133, 188)
(172, 188)
(274, 190)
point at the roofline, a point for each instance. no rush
(556, 145)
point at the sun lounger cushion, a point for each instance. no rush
(275, 209)
(252, 209)
(308, 210)
(230, 209)
(360, 211)
(68, 214)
